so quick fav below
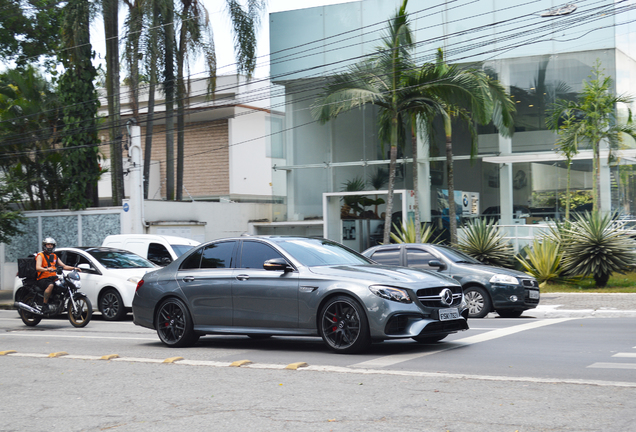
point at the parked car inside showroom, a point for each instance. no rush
(266, 286)
(108, 276)
(486, 288)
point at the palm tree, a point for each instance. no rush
(593, 119)
(376, 80)
(195, 37)
(485, 100)
(110, 15)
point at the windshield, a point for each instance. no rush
(457, 256)
(181, 249)
(120, 260)
(320, 252)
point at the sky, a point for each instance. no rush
(222, 31)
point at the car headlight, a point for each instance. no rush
(134, 280)
(391, 293)
(504, 279)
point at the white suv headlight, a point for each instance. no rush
(504, 279)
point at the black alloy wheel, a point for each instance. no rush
(344, 326)
(478, 300)
(80, 315)
(111, 305)
(174, 324)
(27, 317)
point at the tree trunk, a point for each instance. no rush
(452, 213)
(181, 96)
(169, 90)
(567, 192)
(111, 32)
(389, 199)
(416, 198)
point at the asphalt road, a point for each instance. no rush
(528, 374)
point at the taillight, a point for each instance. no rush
(139, 284)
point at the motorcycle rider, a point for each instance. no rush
(47, 274)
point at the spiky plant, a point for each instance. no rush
(486, 243)
(406, 234)
(543, 260)
(598, 246)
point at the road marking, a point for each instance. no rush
(349, 370)
(613, 365)
(53, 335)
(624, 355)
(495, 334)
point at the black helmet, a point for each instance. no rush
(46, 241)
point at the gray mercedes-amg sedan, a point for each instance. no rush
(295, 286)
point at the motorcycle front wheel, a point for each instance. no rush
(81, 316)
(27, 317)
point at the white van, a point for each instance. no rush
(159, 249)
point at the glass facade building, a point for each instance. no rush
(538, 52)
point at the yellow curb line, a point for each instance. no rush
(172, 359)
(240, 363)
(295, 366)
(7, 352)
(109, 357)
(58, 354)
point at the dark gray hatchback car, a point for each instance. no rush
(295, 286)
(486, 288)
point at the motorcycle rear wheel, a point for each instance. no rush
(27, 317)
(81, 317)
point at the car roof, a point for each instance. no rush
(90, 249)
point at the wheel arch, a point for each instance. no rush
(333, 294)
(160, 301)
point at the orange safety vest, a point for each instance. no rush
(49, 262)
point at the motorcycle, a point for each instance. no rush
(66, 297)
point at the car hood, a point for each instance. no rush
(384, 274)
(490, 270)
(127, 273)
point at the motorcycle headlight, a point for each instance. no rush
(77, 284)
(504, 279)
(391, 293)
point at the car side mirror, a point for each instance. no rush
(277, 264)
(437, 263)
(86, 268)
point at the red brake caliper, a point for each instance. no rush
(334, 320)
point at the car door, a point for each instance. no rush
(91, 278)
(205, 278)
(418, 257)
(263, 298)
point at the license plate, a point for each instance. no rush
(534, 294)
(448, 314)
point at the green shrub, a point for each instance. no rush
(597, 246)
(543, 260)
(486, 243)
(406, 234)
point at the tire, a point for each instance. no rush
(82, 317)
(479, 304)
(174, 324)
(429, 339)
(509, 313)
(343, 326)
(27, 317)
(111, 305)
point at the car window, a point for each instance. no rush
(218, 255)
(388, 256)
(113, 259)
(321, 252)
(193, 261)
(456, 256)
(158, 254)
(254, 254)
(418, 258)
(74, 259)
